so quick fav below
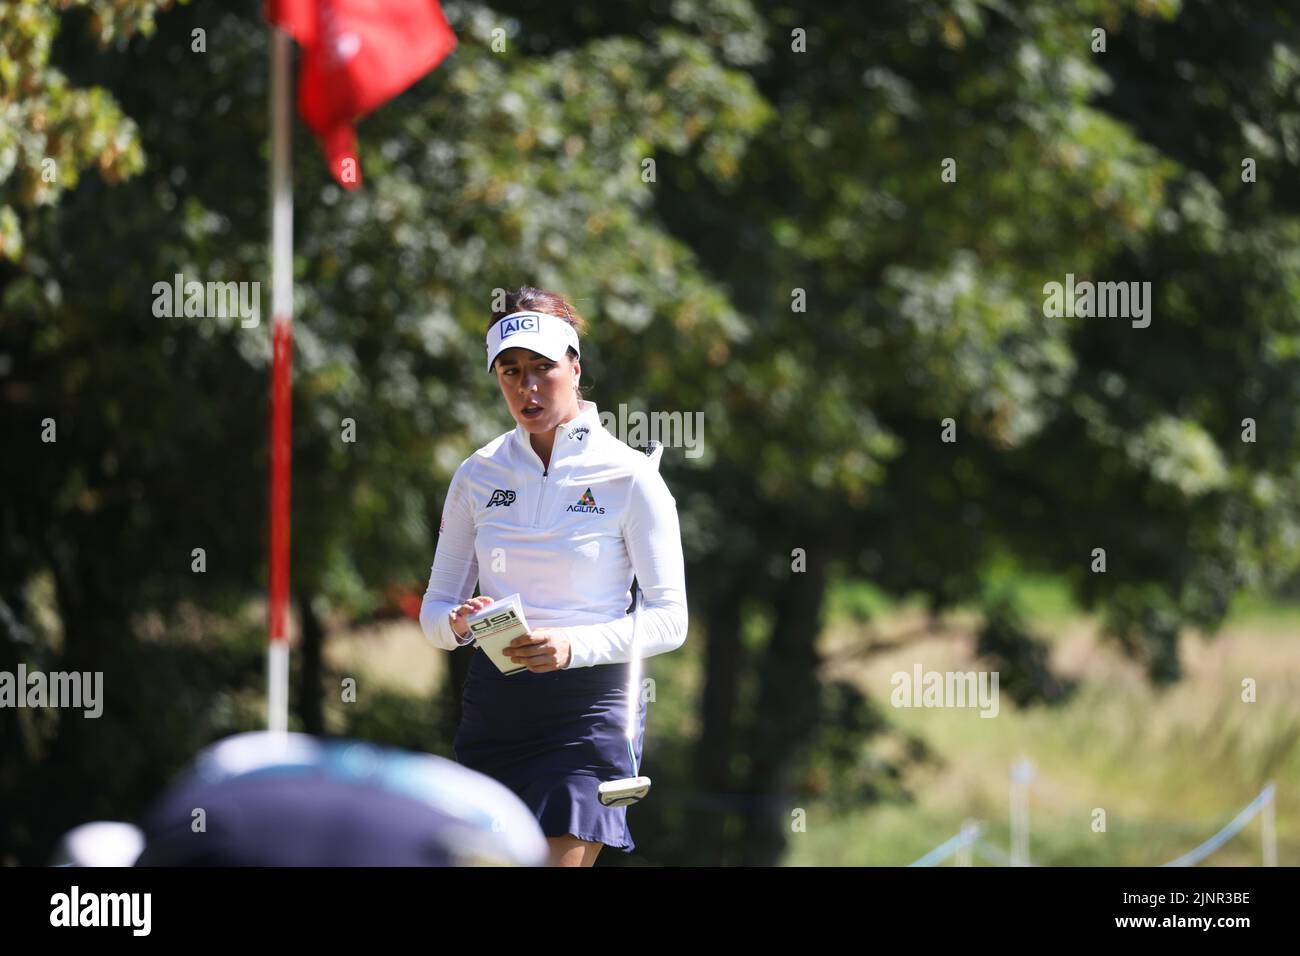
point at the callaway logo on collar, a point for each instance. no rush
(580, 432)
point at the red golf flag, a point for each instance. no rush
(357, 55)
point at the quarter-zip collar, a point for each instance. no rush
(568, 437)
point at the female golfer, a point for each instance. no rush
(566, 514)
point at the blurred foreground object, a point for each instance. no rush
(103, 843)
(287, 799)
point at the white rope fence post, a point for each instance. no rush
(1263, 802)
(1022, 772)
(970, 831)
(993, 854)
(968, 843)
(1268, 826)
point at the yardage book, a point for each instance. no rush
(497, 625)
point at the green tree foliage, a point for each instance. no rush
(52, 132)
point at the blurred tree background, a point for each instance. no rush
(797, 269)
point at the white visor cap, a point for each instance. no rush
(543, 333)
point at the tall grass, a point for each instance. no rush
(1167, 768)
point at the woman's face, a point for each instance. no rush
(538, 391)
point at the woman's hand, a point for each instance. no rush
(544, 649)
(457, 615)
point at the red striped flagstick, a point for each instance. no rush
(356, 55)
(277, 697)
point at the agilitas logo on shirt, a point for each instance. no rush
(586, 505)
(503, 498)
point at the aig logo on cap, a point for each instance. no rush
(524, 323)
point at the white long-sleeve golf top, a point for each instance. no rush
(568, 538)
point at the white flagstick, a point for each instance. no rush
(277, 673)
(628, 790)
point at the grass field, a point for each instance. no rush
(1169, 768)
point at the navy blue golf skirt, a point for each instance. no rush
(553, 738)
